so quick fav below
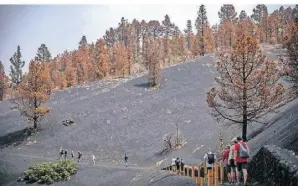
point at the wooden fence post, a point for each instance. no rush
(210, 177)
(221, 173)
(206, 173)
(199, 179)
(192, 173)
(216, 176)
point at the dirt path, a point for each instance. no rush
(105, 165)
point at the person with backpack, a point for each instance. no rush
(241, 157)
(173, 163)
(231, 162)
(79, 156)
(182, 164)
(126, 159)
(209, 159)
(177, 164)
(225, 154)
(61, 153)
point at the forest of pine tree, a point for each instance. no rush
(149, 46)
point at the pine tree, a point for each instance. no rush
(32, 93)
(200, 24)
(16, 67)
(248, 84)
(83, 41)
(154, 65)
(102, 67)
(188, 32)
(227, 13)
(243, 16)
(260, 16)
(43, 54)
(2, 81)
(70, 71)
(168, 28)
(291, 64)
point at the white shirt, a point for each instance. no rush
(93, 157)
(206, 158)
(173, 161)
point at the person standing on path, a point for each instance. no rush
(173, 163)
(65, 154)
(182, 165)
(79, 156)
(126, 159)
(72, 154)
(177, 164)
(241, 157)
(93, 159)
(209, 159)
(61, 153)
(232, 162)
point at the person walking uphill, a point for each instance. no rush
(241, 157)
(209, 159)
(225, 155)
(79, 156)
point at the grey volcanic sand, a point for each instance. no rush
(138, 119)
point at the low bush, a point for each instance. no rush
(50, 172)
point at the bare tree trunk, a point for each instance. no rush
(244, 127)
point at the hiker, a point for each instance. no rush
(79, 156)
(225, 154)
(210, 159)
(173, 163)
(182, 165)
(126, 159)
(61, 154)
(241, 158)
(93, 159)
(65, 153)
(72, 154)
(231, 162)
(177, 164)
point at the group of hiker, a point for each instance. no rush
(235, 158)
(177, 164)
(63, 154)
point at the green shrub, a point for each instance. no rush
(50, 172)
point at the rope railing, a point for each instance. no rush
(213, 177)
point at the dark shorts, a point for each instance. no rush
(232, 163)
(208, 168)
(241, 166)
(228, 168)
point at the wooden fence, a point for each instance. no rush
(213, 177)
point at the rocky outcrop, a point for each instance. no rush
(274, 166)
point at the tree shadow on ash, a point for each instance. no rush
(15, 138)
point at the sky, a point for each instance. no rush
(61, 27)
